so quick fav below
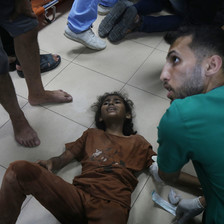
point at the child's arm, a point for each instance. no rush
(56, 163)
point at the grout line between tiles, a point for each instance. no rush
(57, 74)
(64, 116)
(50, 111)
(140, 191)
(3, 167)
(20, 107)
(141, 65)
(147, 92)
(98, 72)
(143, 44)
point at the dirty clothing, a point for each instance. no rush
(101, 194)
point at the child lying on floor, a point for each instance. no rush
(110, 155)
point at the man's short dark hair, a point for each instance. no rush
(206, 40)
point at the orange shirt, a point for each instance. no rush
(109, 162)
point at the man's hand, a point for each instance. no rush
(22, 7)
(187, 209)
(47, 164)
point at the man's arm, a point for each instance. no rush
(180, 178)
(169, 178)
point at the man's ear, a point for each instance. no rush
(213, 65)
(128, 116)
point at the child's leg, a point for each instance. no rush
(23, 178)
(100, 211)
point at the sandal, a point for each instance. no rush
(47, 63)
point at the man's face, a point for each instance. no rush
(182, 76)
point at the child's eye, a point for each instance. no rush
(117, 101)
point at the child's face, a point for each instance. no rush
(113, 106)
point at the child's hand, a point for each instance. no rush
(47, 164)
(173, 197)
(153, 169)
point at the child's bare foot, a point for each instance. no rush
(24, 133)
(56, 96)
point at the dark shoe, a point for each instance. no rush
(112, 17)
(47, 63)
(127, 23)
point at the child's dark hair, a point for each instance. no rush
(206, 40)
(129, 105)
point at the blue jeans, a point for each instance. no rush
(83, 14)
(159, 23)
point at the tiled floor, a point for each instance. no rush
(133, 66)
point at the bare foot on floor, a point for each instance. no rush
(24, 133)
(56, 96)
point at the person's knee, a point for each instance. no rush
(22, 171)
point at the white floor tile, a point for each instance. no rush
(5, 116)
(145, 211)
(41, 215)
(52, 39)
(148, 39)
(2, 172)
(53, 130)
(148, 75)
(20, 83)
(84, 85)
(163, 46)
(149, 110)
(117, 61)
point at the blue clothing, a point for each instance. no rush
(184, 12)
(159, 23)
(108, 3)
(83, 15)
(193, 129)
